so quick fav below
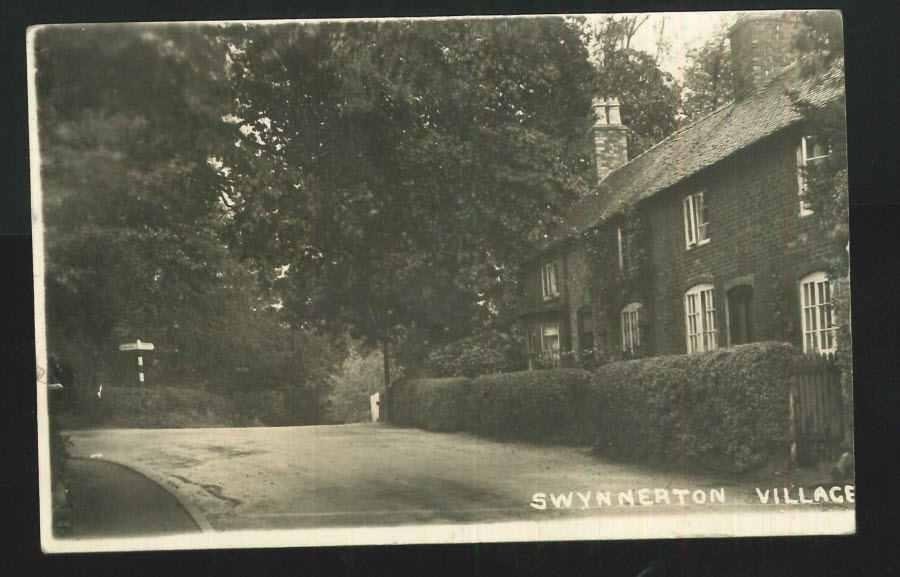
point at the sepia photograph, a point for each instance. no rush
(441, 280)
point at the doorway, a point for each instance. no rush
(741, 329)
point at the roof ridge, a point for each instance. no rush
(776, 78)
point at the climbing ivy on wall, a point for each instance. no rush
(611, 288)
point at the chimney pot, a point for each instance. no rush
(613, 111)
(599, 106)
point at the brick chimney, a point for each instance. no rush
(762, 45)
(610, 141)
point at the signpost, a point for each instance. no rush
(138, 346)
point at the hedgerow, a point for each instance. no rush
(549, 405)
(728, 406)
(435, 404)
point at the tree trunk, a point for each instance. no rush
(386, 353)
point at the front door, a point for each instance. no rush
(740, 315)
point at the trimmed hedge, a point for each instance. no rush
(434, 404)
(728, 407)
(492, 352)
(546, 405)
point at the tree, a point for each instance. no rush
(134, 219)
(401, 169)
(708, 82)
(648, 95)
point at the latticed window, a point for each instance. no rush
(700, 319)
(695, 220)
(818, 325)
(550, 280)
(632, 317)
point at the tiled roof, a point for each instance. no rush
(701, 144)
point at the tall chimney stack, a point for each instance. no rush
(610, 139)
(763, 44)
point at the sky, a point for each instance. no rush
(681, 31)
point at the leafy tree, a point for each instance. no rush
(134, 219)
(708, 82)
(359, 377)
(648, 95)
(405, 166)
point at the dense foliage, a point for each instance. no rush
(727, 407)
(135, 228)
(243, 196)
(827, 188)
(435, 404)
(544, 406)
(491, 352)
(359, 377)
(613, 287)
(708, 80)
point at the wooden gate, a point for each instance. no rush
(816, 406)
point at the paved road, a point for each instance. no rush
(368, 474)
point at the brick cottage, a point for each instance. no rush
(702, 241)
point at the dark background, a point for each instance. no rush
(871, 32)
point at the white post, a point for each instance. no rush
(140, 364)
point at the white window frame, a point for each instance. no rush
(621, 249)
(817, 314)
(700, 326)
(803, 159)
(631, 319)
(695, 232)
(549, 330)
(550, 280)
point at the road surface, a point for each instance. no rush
(371, 474)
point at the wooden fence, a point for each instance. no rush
(816, 406)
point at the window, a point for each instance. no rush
(632, 317)
(550, 339)
(700, 318)
(621, 248)
(585, 330)
(695, 220)
(811, 150)
(549, 280)
(816, 316)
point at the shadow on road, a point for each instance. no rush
(109, 500)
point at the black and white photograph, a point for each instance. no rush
(441, 280)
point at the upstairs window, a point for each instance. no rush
(817, 320)
(700, 319)
(810, 151)
(623, 243)
(695, 220)
(632, 317)
(550, 280)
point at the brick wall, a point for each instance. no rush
(610, 148)
(757, 238)
(761, 46)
